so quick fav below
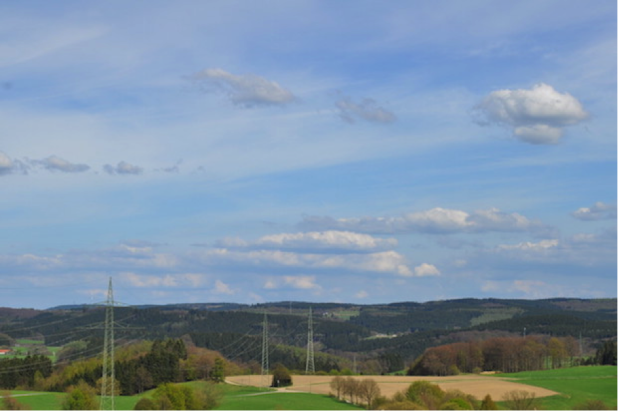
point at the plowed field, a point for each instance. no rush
(477, 385)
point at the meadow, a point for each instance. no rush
(574, 385)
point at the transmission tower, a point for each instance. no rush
(264, 348)
(109, 374)
(310, 368)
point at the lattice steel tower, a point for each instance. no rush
(109, 375)
(310, 368)
(265, 348)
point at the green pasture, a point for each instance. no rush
(233, 398)
(575, 385)
(25, 341)
(346, 314)
(249, 398)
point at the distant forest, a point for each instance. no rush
(440, 337)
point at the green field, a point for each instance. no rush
(234, 398)
(576, 385)
(251, 398)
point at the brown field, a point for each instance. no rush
(477, 385)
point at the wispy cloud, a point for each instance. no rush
(599, 211)
(324, 241)
(436, 220)
(367, 109)
(537, 115)
(247, 90)
(123, 168)
(55, 163)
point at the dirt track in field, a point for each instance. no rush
(477, 385)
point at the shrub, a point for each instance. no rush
(426, 394)
(145, 404)
(81, 397)
(520, 400)
(592, 405)
(488, 403)
(281, 377)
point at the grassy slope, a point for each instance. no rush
(234, 398)
(244, 398)
(575, 384)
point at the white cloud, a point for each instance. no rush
(245, 90)
(367, 109)
(302, 282)
(327, 241)
(541, 246)
(222, 288)
(382, 262)
(55, 163)
(362, 294)
(426, 270)
(6, 164)
(599, 211)
(537, 115)
(436, 220)
(123, 168)
(167, 280)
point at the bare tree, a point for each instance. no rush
(369, 390)
(520, 400)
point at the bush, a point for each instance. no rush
(520, 400)
(145, 404)
(426, 394)
(9, 403)
(592, 405)
(81, 397)
(281, 377)
(488, 403)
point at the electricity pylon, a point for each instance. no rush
(310, 367)
(109, 375)
(264, 348)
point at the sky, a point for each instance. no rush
(353, 151)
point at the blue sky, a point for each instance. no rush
(363, 152)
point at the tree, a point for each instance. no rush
(350, 388)
(336, 384)
(369, 390)
(606, 355)
(145, 404)
(218, 371)
(281, 376)
(426, 394)
(592, 405)
(520, 400)
(81, 397)
(7, 402)
(488, 403)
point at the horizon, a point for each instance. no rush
(265, 151)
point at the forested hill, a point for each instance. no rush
(394, 334)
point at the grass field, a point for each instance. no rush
(252, 398)
(233, 398)
(576, 385)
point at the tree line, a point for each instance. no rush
(505, 354)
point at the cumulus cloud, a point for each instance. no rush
(389, 262)
(426, 270)
(599, 211)
(55, 163)
(367, 109)
(325, 241)
(537, 115)
(123, 168)
(435, 221)
(303, 282)
(244, 90)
